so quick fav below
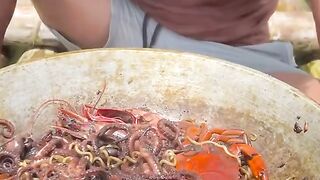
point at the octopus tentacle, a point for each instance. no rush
(71, 168)
(128, 168)
(9, 128)
(76, 167)
(133, 138)
(83, 162)
(8, 162)
(168, 129)
(152, 140)
(16, 147)
(181, 175)
(96, 173)
(48, 172)
(184, 175)
(56, 171)
(149, 158)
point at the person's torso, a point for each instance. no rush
(233, 22)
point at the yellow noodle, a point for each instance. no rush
(90, 148)
(246, 139)
(246, 172)
(24, 163)
(253, 137)
(66, 159)
(129, 159)
(117, 160)
(90, 156)
(217, 145)
(135, 154)
(71, 146)
(98, 159)
(170, 153)
(291, 178)
(170, 158)
(105, 153)
(58, 158)
(163, 161)
(112, 146)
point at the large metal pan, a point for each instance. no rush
(179, 86)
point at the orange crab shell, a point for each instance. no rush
(207, 165)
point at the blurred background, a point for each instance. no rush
(27, 38)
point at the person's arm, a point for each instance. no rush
(305, 83)
(6, 11)
(315, 7)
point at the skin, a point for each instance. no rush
(78, 22)
(6, 10)
(305, 83)
(315, 7)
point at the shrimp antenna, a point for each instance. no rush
(38, 111)
(100, 94)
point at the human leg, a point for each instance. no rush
(83, 22)
(305, 83)
(6, 11)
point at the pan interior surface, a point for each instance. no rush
(178, 86)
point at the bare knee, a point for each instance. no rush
(83, 22)
(305, 83)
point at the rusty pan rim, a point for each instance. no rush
(222, 62)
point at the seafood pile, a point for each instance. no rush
(127, 144)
